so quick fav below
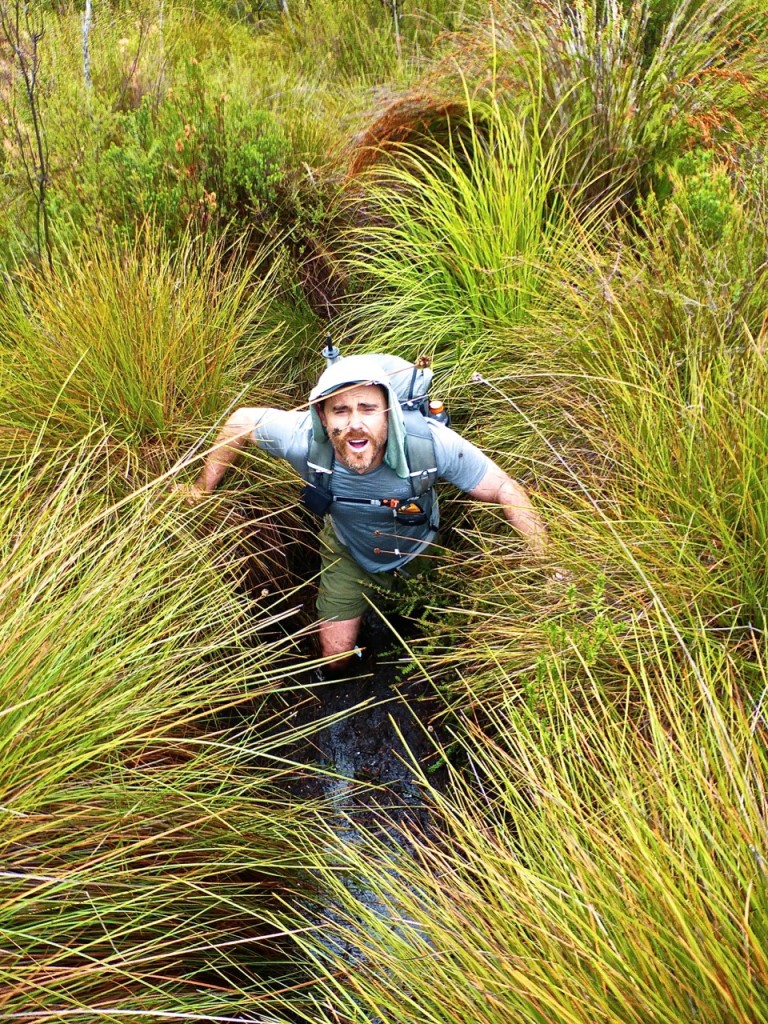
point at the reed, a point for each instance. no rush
(604, 859)
(147, 853)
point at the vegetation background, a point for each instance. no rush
(565, 205)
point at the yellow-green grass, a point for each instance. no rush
(147, 853)
(154, 342)
(456, 241)
(633, 408)
(601, 852)
(600, 858)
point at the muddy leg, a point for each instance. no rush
(338, 640)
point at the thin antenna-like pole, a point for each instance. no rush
(86, 47)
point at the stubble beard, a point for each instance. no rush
(358, 462)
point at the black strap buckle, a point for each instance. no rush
(316, 499)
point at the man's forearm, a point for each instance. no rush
(500, 489)
(520, 513)
(231, 440)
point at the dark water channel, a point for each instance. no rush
(364, 732)
(381, 714)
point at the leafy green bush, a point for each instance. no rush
(700, 193)
(194, 160)
(189, 120)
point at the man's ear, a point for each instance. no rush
(320, 410)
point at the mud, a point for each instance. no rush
(367, 729)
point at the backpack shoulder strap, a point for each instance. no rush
(320, 460)
(419, 452)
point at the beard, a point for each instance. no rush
(359, 459)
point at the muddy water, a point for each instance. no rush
(382, 714)
(371, 726)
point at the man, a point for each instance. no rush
(373, 530)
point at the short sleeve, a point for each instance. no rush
(458, 461)
(285, 435)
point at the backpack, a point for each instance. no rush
(410, 383)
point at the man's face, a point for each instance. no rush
(356, 420)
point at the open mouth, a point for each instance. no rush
(357, 444)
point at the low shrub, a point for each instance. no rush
(699, 192)
(193, 161)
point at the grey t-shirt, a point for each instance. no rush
(376, 539)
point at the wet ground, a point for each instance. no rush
(365, 730)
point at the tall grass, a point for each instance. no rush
(673, 388)
(633, 408)
(457, 239)
(383, 44)
(151, 340)
(602, 861)
(600, 852)
(190, 116)
(146, 849)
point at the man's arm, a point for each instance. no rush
(229, 443)
(497, 488)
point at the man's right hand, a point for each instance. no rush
(191, 494)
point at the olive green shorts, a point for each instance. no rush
(346, 589)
